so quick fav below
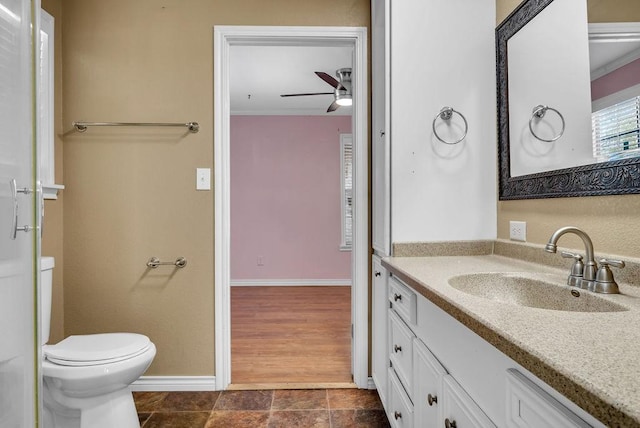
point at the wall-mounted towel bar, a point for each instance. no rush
(82, 126)
(154, 262)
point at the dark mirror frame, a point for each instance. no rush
(605, 178)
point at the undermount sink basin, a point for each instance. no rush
(524, 289)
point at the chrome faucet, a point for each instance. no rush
(586, 275)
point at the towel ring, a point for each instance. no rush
(446, 113)
(538, 112)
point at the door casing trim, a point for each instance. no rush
(223, 39)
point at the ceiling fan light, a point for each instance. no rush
(344, 100)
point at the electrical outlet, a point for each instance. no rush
(518, 230)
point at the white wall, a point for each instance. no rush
(443, 54)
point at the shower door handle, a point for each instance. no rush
(14, 200)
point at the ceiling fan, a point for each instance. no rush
(341, 92)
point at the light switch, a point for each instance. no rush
(203, 178)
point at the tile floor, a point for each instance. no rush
(310, 408)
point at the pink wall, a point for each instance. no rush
(619, 79)
(285, 197)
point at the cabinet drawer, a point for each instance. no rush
(531, 407)
(459, 407)
(401, 350)
(400, 411)
(403, 300)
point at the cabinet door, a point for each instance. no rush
(427, 389)
(379, 337)
(380, 176)
(459, 409)
(529, 406)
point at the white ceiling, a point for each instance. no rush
(260, 74)
(607, 56)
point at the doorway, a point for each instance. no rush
(224, 39)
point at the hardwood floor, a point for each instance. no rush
(282, 335)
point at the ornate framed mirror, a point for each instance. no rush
(609, 177)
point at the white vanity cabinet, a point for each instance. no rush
(442, 374)
(420, 388)
(380, 307)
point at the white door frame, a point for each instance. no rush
(224, 38)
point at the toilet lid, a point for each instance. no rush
(92, 349)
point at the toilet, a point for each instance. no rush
(86, 378)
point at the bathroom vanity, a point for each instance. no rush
(456, 358)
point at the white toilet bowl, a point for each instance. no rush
(87, 378)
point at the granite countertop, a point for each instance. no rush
(592, 358)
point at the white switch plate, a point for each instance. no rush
(203, 178)
(518, 230)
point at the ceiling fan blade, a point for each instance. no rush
(334, 106)
(329, 79)
(304, 95)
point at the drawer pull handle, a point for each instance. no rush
(398, 415)
(432, 399)
(449, 424)
(397, 348)
(377, 273)
(397, 297)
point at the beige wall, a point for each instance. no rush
(131, 193)
(52, 237)
(611, 221)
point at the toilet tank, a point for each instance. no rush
(46, 286)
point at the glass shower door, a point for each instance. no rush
(19, 243)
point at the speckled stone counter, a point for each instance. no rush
(591, 358)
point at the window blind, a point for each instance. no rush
(346, 146)
(615, 131)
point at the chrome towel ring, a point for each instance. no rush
(446, 113)
(538, 113)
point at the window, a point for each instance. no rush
(346, 181)
(616, 131)
(46, 108)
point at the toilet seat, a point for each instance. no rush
(96, 349)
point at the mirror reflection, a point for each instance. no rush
(614, 52)
(573, 90)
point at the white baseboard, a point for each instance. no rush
(289, 282)
(188, 383)
(174, 383)
(370, 383)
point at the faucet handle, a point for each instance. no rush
(577, 269)
(610, 262)
(568, 255)
(604, 278)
